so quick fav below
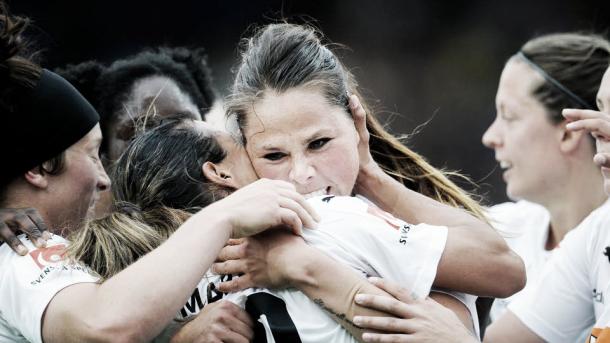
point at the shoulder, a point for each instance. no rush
(593, 229)
(521, 211)
(513, 219)
(40, 265)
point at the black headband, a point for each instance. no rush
(45, 121)
(555, 83)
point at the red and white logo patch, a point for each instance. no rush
(49, 256)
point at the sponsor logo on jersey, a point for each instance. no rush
(388, 218)
(404, 234)
(49, 256)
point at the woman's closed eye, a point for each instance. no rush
(274, 156)
(318, 143)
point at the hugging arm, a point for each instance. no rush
(135, 304)
(276, 259)
(476, 259)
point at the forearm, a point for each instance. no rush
(333, 287)
(476, 259)
(137, 303)
(476, 266)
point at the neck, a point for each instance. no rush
(18, 196)
(578, 197)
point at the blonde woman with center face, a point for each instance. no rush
(292, 104)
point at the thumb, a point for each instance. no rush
(393, 289)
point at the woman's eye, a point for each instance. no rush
(274, 156)
(318, 143)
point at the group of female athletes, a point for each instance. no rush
(138, 206)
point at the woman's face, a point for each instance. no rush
(79, 186)
(297, 136)
(526, 143)
(603, 104)
(153, 94)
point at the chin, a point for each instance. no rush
(513, 194)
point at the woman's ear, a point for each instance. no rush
(37, 179)
(571, 140)
(218, 175)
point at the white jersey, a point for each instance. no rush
(525, 228)
(28, 283)
(573, 290)
(354, 233)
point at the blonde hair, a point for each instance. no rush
(110, 244)
(283, 56)
(155, 190)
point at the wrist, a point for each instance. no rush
(380, 188)
(369, 179)
(300, 274)
(218, 219)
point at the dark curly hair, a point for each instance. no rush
(107, 87)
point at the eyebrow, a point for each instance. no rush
(315, 135)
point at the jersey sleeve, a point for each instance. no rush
(559, 307)
(382, 245)
(28, 283)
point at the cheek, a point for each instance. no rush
(85, 174)
(264, 169)
(343, 164)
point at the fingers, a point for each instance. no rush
(235, 241)
(305, 217)
(236, 284)
(8, 236)
(359, 115)
(387, 324)
(238, 321)
(589, 120)
(243, 317)
(384, 304)
(233, 337)
(291, 220)
(393, 289)
(602, 159)
(22, 222)
(37, 220)
(597, 126)
(231, 267)
(572, 114)
(358, 112)
(231, 252)
(384, 338)
(300, 199)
